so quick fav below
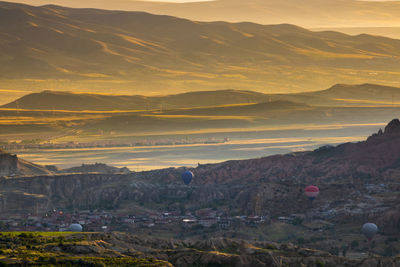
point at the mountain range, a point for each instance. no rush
(89, 50)
(312, 13)
(72, 101)
(338, 95)
(52, 114)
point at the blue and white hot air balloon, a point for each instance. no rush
(75, 227)
(187, 177)
(369, 230)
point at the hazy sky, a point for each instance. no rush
(36, 2)
(40, 2)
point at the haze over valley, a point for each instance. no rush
(198, 127)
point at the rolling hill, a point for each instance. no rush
(71, 101)
(337, 95)
(391, 32)
(91, 50)
(91, 117)
(348, 95)
(313, 13)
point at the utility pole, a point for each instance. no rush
(392, 98)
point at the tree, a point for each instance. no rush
(354, 244)
(344, 250)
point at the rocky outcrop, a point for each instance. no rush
(123, 249)
(26, 168)
(393, 128)
(373, 158)
(223, 252)
(95, 168)
(11, 165)
(390, 220)
(8, 164)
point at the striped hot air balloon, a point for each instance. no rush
(311, 192)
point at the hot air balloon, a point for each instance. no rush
(75, 227)
(369, 230)
(187, 177)
(311, 192)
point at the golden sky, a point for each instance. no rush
(96, 2)
(180, 1)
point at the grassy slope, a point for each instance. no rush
(64, 249)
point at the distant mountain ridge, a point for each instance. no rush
(95, 168)
(101, 51)
(391, 32)
(337, 95)
(313, 13)
(103, 117)
(71, 101)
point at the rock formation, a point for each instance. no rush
(95, 168)
(11, 165)
(8, 164)
(122, 249)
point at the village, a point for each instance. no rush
(104, 221)
(42, 144)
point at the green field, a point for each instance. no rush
(63, 249)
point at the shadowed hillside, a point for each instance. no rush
(391, 32)
(338, 95)
(375, 158)
(11, 165)
(49, 100)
